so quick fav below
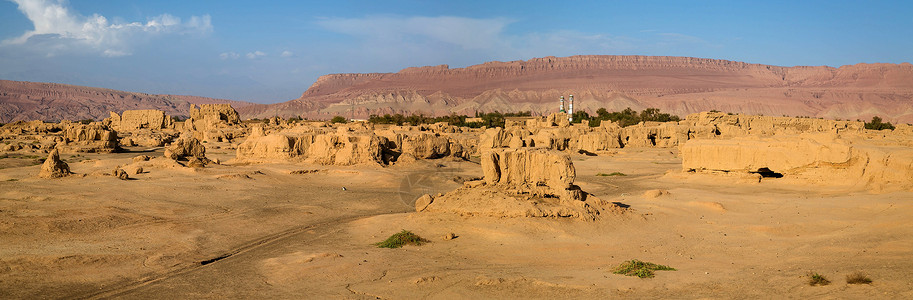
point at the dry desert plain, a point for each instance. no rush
(285, 210)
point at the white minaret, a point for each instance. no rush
(561, 108)
(570, 110)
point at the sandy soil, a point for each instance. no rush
(257, 231)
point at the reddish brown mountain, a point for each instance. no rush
(680, 85)
(21, 100)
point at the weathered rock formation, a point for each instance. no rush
(53, 167)
(521, 183)
(214, 113)
(329, 148)
(186, 148)
(346, 149)
(213, 122)
(90, 138)
(549, 132)
(819, 159)
(148, 138)
(356, 143)
(531, 169)
(132, 120)
(426, 146)
(120, 173)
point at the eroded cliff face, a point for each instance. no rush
(681, 85)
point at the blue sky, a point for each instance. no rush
(271, 52)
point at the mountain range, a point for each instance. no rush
(678, 85)
(21, 100)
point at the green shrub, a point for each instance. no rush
(402, 238)
(817, 279)
(639, 268)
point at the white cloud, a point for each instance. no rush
(390, 41)
(255, 54)
(229, 55)
(58, 29)
(287, 53)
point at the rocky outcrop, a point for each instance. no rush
(356, 143)
(819, 159)
(53, 167)
(347, 149)
(214, 113)
(521, 183)
(329, 148)
(147, 138)
(29, 127)
(214, 123)
(186, 148)
(282, 146)
(120, 173)
(529, 168)
(724, 125)
(132, 120)
(426, 146)
(88, 138)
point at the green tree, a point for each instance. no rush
(877, 124)
(339, 119)
(581, 116)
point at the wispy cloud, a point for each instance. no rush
(255, 54)
(467, 33)
(287, 53)
(229, 55)
(409, 41)
(58, 29)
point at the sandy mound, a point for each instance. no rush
(53, 167)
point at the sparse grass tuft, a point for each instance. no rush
(858, 278)
(817, 279)
(612, 174)
(639, 268)
(402, 238)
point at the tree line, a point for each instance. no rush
(624, 118)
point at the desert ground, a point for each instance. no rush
(247, 224)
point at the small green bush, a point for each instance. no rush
(817, 279)
(339, 119)
(612, 174)
(402, 238)
(858, 278)
(639, 268)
